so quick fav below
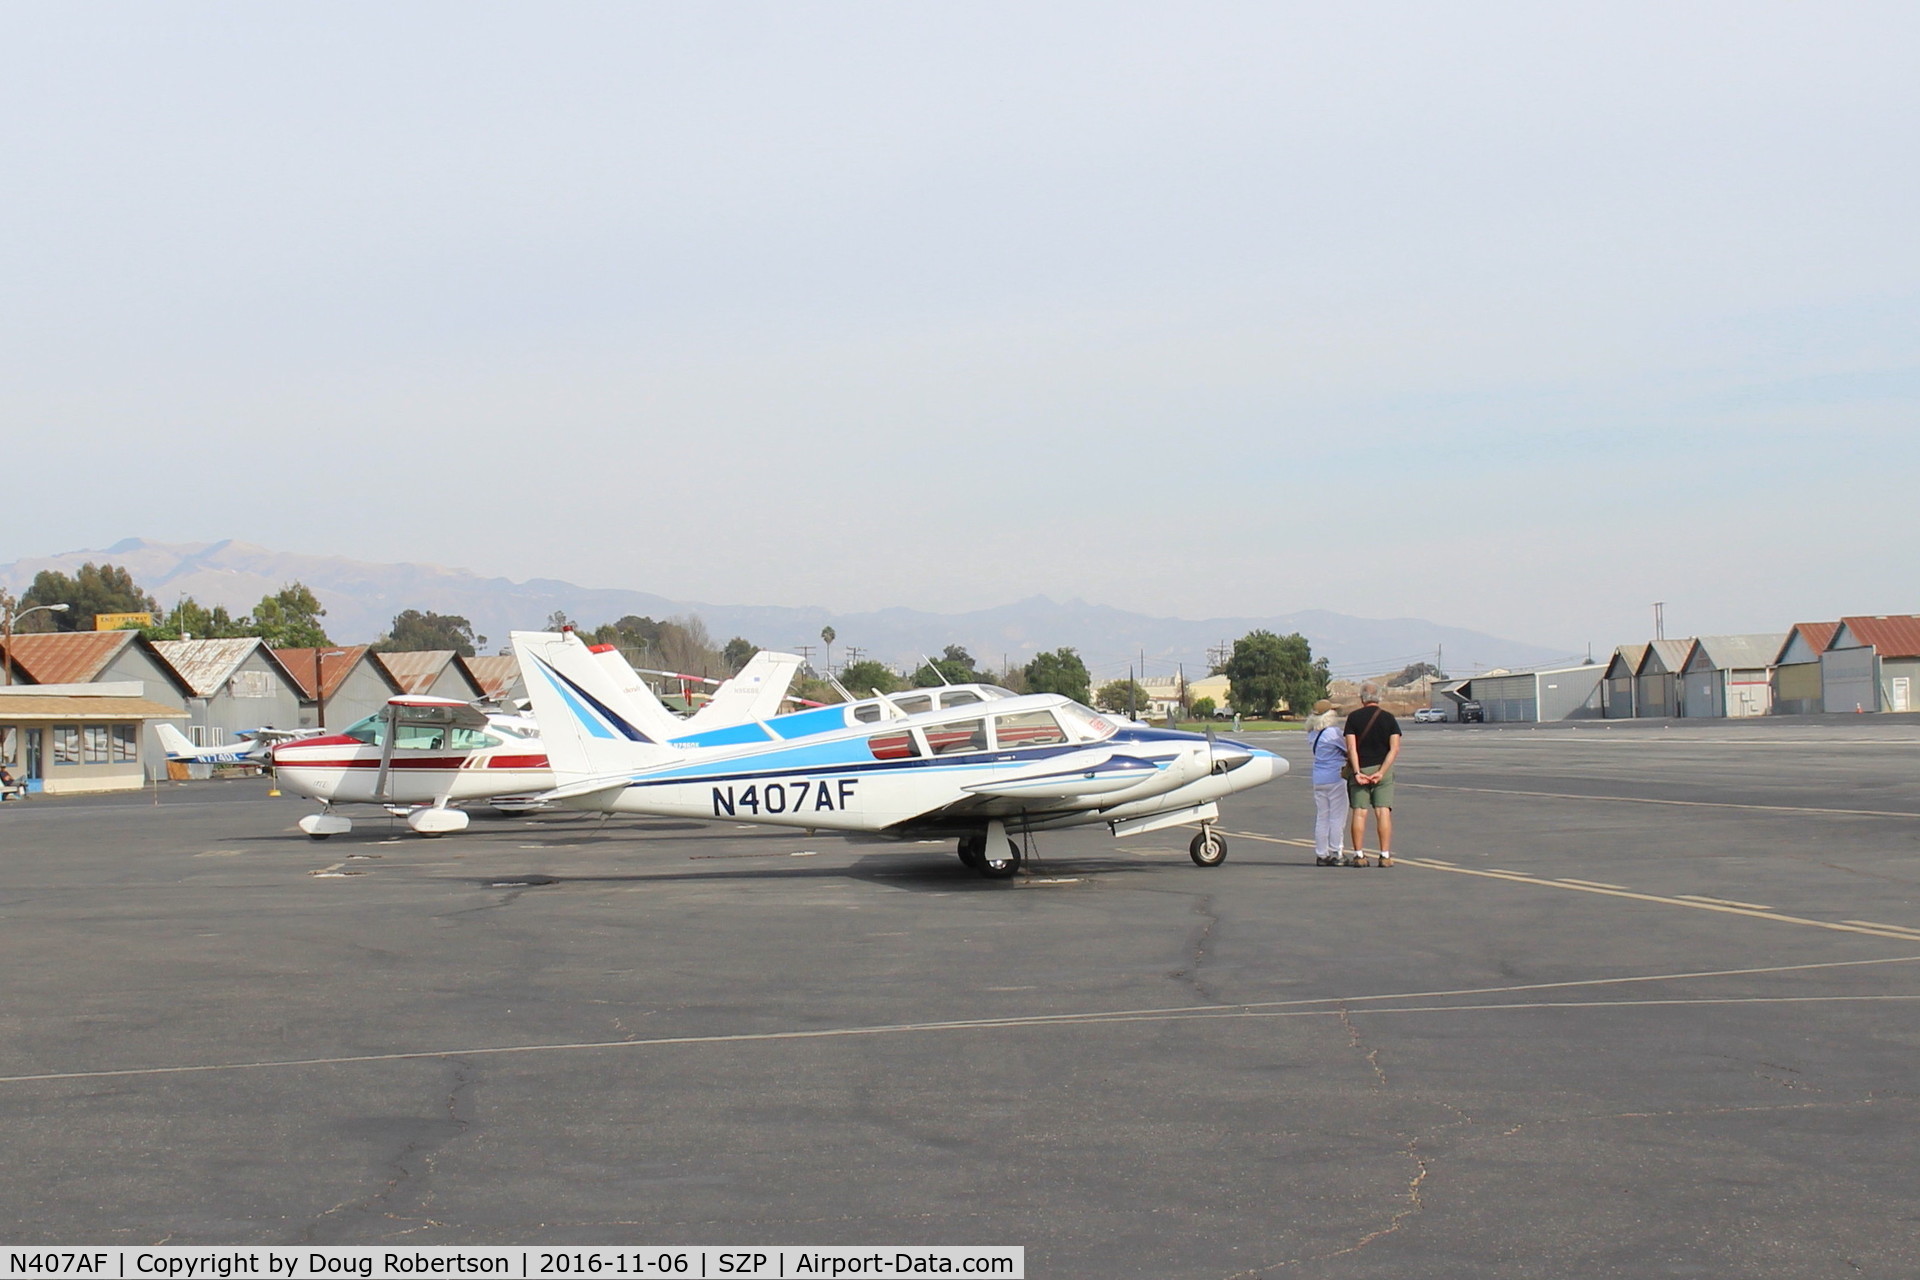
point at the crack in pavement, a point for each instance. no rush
(424, 1143)
(1202, 944)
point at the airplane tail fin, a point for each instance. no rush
(754, 694)
(638, 703)
(176, 743)
(585, 720)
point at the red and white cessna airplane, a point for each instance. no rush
(426, 755)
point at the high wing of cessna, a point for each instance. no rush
(427, 755)
(981, 772)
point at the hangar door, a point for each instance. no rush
(1847, 680)
(1507, 699)
(1700, 694)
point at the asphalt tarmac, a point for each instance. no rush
(1637, 1001)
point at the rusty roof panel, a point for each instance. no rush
(336, 664)
(495, 675)
(1818, 635)
(1894, 635)
(416, 672)
(206, 665)
(67, 657)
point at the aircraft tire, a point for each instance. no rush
(1209, 848)
(970, 851)
(324, 835)
(1002, 868)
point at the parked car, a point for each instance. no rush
(1429, 715)
(1472, 713)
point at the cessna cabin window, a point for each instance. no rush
(1027, 729)
(957, 737)
(372, 731)
(898, 745)
(913, 703)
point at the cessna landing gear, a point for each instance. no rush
(971, 848)
(1209, 848)
(1003, 867)
(325, 823)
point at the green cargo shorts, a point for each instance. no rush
(1377, 796)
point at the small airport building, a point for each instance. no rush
(71, 738)
(1656, 683)
(120, 658)
(1617, 686)
(1531, 696)
(1729, 676)
(1796, 669)
(1872, 664)
(232, 685)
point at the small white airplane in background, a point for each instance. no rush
(978, 771)
(255, 744)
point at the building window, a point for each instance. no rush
(206, 735)
(10, 744)
(126, 743)
(66, 744)
(251, 684)
(97, 748)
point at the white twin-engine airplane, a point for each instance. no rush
(426, 755)
(979, 771)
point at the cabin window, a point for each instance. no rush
(420, 737)
(1086, 724)
(470, 740)
(913, 703)
(867, 712)
(372, 731)
(956, 737)
(959, 698)
(898, 745)
(1027, 729)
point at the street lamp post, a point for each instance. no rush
(13, 617)
(319, 689)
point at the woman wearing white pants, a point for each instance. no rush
(1329, 750)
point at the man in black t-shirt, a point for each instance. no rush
(1373, 744)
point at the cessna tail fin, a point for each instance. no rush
(178, 747)
(754, 694)
(590, 727)
(638, 703)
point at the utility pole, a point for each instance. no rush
(1659, 619)
(853, 654)
(806, 654)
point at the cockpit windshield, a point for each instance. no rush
(1085, 723)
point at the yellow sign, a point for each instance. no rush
(121, 621)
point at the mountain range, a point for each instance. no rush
(361, 600)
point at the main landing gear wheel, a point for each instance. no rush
(1003, 867)
(972, 849)
(1209, 848)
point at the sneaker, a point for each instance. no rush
(1386, 859)
(1353, 859)
(1326, 860)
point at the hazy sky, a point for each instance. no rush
(1517, 317)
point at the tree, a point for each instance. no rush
(290, 619)
(94, 590)
(1267, 670)
(1122, 695)
(190, 618)
(864, 676)
(827, 635)
(1203, 708)
(955, 666)
(558, 620)
(738, 653)
(414, 631)
(1413, 671)
(1059, 672)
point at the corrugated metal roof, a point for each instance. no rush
(1734, 653)
(1818, 636)
(336, 664)
(18, 707)
(67, 657)
(206, 665)
(494, 675)
(416, 672)
(1672, 653)
(1628, 656)
(1894, 635)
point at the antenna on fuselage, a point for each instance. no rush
(937, 671)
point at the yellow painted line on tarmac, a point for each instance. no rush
(1591, 884)
(1757, 913)
(1252, 835)
(1724, 902)
(1897, 928)
(1689, 804)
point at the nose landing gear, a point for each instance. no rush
(1209, 848)
(995, 855)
